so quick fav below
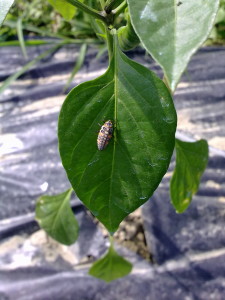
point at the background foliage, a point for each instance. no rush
(40, 14)
(217, 35)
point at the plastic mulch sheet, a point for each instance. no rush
(33, 266)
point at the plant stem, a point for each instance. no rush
(111, 240)
(119, 9)
(94, 13)
(109, 43)
(110, 4)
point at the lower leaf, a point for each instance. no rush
(56, 217)
(112, 266)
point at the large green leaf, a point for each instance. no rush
(172, 31)
(64, 8)
(191, 161)
(112, 266)
(56, 217)
(4, 8)
(114, 182)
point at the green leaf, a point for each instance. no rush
(220, 15)
(56, 217)
(64, 8)
(114, 182)
(191, 161)
(27, 43)
(4, 8)
(28, 27)
(172, 31)
(112, 266)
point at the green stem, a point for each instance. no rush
(111, 240)
(119, 9)
(111, 4)
(109, 42)
(94, 13)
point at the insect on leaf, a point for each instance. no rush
(114, 182)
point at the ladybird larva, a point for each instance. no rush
(104, 135)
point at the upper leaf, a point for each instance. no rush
(4, 8)
(172, 31)
(64, 8)
(191, 161)
(56, 217)
(112, 266)
(114, 182)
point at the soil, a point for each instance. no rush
(131, 235)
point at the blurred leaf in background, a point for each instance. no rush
(39, 18)
(65, 9)
(217, 35)
(37, 22)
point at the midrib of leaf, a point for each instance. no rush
(115, 123)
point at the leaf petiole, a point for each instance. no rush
(111, 4)
(109, 39)
(119, 9)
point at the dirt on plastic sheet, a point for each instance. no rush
(131, 235)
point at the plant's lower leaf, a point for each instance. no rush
(112, 266)
(114, 182)
(191, 161)
(56, 217)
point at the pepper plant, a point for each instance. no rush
(115, 181)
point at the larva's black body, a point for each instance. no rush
(104, 135)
